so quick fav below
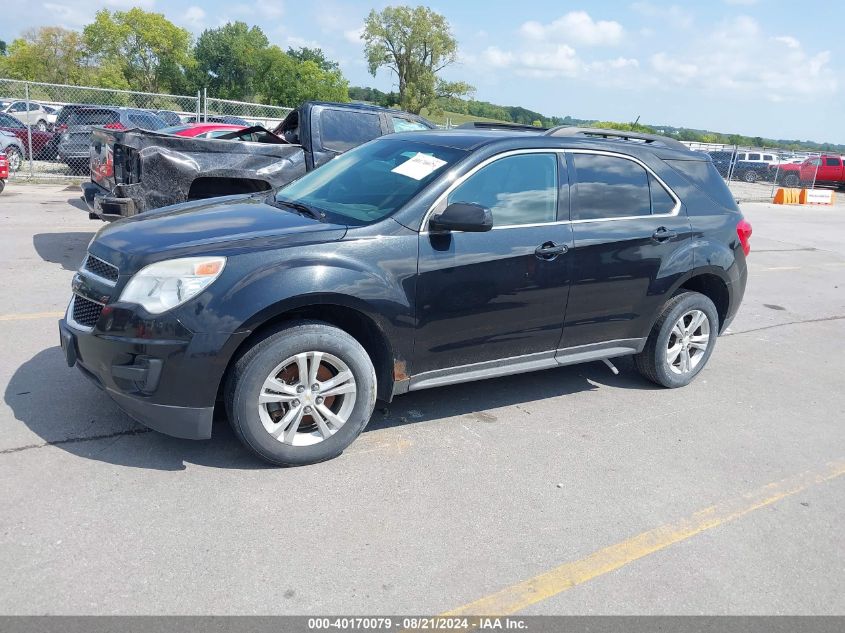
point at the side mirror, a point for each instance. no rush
(463, 216)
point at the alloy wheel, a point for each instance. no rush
(307, 398)
(688, 342)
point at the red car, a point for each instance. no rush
(40, 140)
(202, 130)
(4, 171)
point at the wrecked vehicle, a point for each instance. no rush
(133, 171)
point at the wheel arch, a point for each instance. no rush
(340, 311)
(712, 285)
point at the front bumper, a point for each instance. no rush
(104, 206)
(146, 378)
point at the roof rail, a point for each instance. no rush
(568, 130)
(495, 125)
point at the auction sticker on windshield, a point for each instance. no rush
(419, 166)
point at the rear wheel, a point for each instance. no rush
(41, 126)
(791, 180)
(2, 185)
(302, 394)
(681, 341)
(750, 176)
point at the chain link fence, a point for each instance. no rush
(44, 138)
(755, 173)
(243, 113)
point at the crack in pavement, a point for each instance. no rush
(75, 440)
(774, 325)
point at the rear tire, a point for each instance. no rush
(291, 419)
(2, 185)
(750, 176)
(681, 341)
(791, 181)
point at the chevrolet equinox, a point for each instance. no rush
(414, 261)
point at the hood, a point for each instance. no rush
(221, 226)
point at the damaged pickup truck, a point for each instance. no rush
(133, 171)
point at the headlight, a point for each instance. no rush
(163, 286)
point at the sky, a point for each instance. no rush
(767, 68)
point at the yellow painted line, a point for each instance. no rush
(26, 316)
(543, 586)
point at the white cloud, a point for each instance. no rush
(353, 36)
(739, 60)
(790, 41)
(194, 17)
(576, 27)
(675, 15)
(270, 8)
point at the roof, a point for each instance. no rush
(358, 105)
(473, 139)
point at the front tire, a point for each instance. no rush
(681, 341)
(14, 158)
(302, 394)
(750, 176)
(41, 126)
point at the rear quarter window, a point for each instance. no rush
(93, 117)
(703, 175)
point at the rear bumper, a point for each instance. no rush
(104, 206)
(134, 376)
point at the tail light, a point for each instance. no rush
(743, 231)
(114, 126)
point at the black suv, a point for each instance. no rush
(416, 260)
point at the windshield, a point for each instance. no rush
(372, 181)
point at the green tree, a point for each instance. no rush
(50, 54)
(287, 81)
(227, 60)
(316, 55)
(151, 52)
(416, 44)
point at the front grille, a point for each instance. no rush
(100, 268)
(85, 312)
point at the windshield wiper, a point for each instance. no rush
(302, 209)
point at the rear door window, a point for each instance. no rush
(832, 162)
(609, 187)
(754, 157)
(341, 130)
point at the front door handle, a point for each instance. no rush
(663, 234)
(550, 250)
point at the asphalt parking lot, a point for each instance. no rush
(570, 491)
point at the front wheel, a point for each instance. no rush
(41, 126)
(302, 394)
(14, 158)
(681, 341)
(750, 176)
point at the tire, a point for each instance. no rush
(750, 176)
(281, 432)
(41, 126)
(15, 158)
(653, 362)
(2, 185)
(791, 181)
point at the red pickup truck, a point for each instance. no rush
(826, 169)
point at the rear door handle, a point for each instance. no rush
(663, 234)
(550, 250)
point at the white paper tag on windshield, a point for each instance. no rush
(419, 166)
